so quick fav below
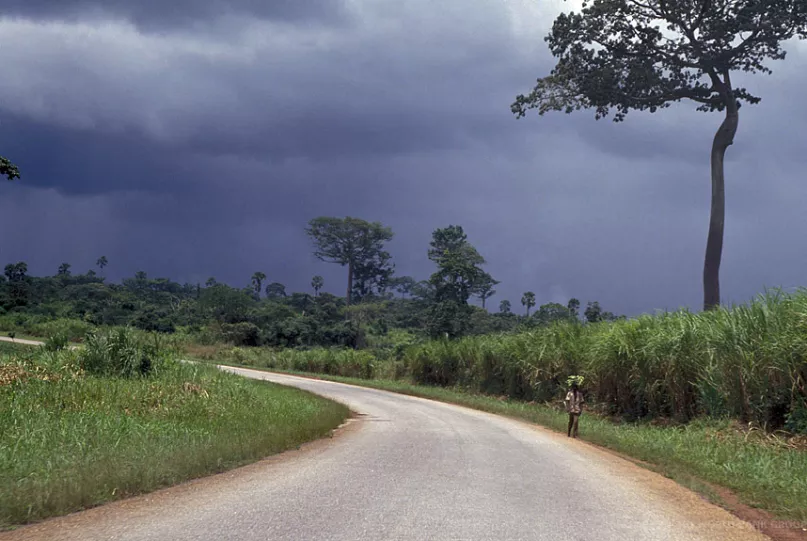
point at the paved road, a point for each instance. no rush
(417, 470)
(20, 341)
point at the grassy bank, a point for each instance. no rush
(74, 433)
(763, 471)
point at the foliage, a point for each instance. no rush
(120, 353)
(354, 243)
(615, 56)
(8, 169)
(505, 307)
(459, 274)
(317, 282)
(528, 300)
(275, 290)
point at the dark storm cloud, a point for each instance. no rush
(195, 154)
(161, 14)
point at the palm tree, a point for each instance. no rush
(102, 262)
(317, 282)
(528, 300)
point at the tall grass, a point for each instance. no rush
(78, 428)
(745, 362)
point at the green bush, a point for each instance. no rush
(240, 334)
(56, 342)
(120, 352)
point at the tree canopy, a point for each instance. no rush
(357, 244)
(8, 169)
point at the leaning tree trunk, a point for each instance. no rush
(724, 138)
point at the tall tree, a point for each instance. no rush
(528, 300)
(102, 262)
(458, 274)
(8, 169)
(622, 55)
(257, 283)
(484, 287)
(275, 290)
(351, 242)
(317, 282)
(64, 270)
(505, 307)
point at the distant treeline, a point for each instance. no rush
(264, 313)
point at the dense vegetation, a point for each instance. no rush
(748, 363)
(120, 416)
(262, 313)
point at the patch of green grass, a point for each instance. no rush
(763, 475)
(9, 348)
(70, 440)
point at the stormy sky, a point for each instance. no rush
(196, 138)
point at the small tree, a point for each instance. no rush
(64, 270)
(593, 312)
(484, 288)
(505, 307)
(102, 262)
(275, 290)
(528, 300)
(317, 282)
(622, 55)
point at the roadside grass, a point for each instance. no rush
(71, 440)
(761, 470)
(14, 348)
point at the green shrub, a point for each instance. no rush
(120, 352)
(240, 334)
(56, 342)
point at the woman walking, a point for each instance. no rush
(574, 406)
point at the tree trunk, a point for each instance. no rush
(723, 139)
(349, 280)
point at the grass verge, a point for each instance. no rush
(759, 471)
(70, 440)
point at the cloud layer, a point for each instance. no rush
(198, 140)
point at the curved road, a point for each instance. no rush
(413, 469)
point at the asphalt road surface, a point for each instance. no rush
(413, 469)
